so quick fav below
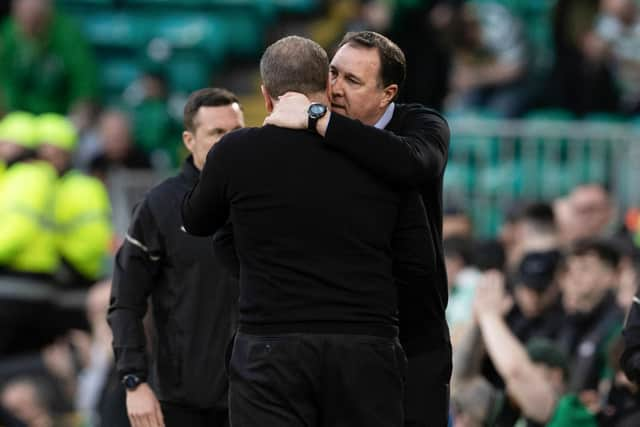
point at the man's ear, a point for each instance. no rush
(390, 93)
(268, 102)
(187, 140)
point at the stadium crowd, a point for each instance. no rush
(535, 313)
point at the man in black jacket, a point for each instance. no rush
(193, 300)
(317, 338)
(407, 146)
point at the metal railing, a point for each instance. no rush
(494, 162)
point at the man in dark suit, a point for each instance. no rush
(405, 145)
(317, 339)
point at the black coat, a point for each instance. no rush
(314, 233)
(193, 301)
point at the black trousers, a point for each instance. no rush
(316, 380)
(183, 416)
(427, 389)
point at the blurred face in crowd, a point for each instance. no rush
(624, 10)
(32, 16)
(533, 303)
(210, 124)
(59, 158)
(356, 86)
(586, 283)
(590, 210)
(9, 151)
(20, 398)
(456, 225)
(115, 134)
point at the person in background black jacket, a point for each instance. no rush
(405, 145)
(193, 300)
(317, 338)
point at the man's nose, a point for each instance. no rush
(336, 87)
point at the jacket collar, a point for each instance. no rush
(189, 170)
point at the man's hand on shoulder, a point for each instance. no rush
(143, 407)
(290, 111)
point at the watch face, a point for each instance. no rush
(131, 381)
(317, 110)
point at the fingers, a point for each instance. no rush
(150, 419)
(159, 417)
(133, 419)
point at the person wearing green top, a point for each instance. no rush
(535, 375)
(45, 63)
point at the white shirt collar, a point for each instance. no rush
(386, 117)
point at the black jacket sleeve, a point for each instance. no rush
(137, 266)
(205, 209)
(412, 156)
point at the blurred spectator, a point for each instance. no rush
(117, 149)
(422, 30)
(100, 396)
(581, 80)
(490, 61)
(45, 63)
(462, 278)
(619, 27)
(590, 212)
(535, 375)
(593, 315)
(532, 229)
(629, 282)
(17, 139)
(373, 15)
(456, 222)
(81, 214)
(537, 312)
(621, 406)
(28, 400)
(156, 131)
(488, 255)
(28, 258)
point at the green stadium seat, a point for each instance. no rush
(456, 177)
(296, 6)
(550, 114)
(245, 34)
(117, 73)
(604, 118)
(207, 33)
(83, 3)
(188, 71)
(116, 29)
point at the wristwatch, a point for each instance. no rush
(315, 112)
(131, 382)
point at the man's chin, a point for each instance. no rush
(338, 109)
